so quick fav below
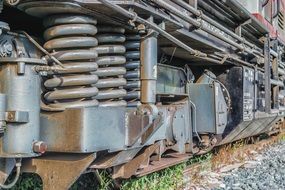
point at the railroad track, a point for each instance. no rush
(225, 159)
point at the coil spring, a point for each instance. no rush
(93, 58)
(133, 70)
(111, 62)
(71, 40)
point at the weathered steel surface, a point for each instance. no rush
(109, 160)
(129, 169)
(84, 130)
(21, 106)
(85, 113)
(167, 161)
(58, 171)
(247, 129)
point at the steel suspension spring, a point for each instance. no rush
(70, 38)
(111, 62)
(133, 70)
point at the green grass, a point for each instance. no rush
(90, 181)
(283, 138)
(87, 181)
(167, 179)
(27, 181)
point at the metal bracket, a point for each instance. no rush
(149, 130)
(224, 59)
(115, 159)
(6, 168)
(267, 74)
(58, 172)
(127, 170)
(22, 59)
(17, 116)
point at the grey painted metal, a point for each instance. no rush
(4, 26)
(133, 87)
(111, 51)
(267, 74)
(148, 68)
(176, 126)
(73, 87)
(132, 64)
(84, 130)
(6, 167)
(202, 26)
(211, 21)
(248, 94)
(171, 80)
(75, 39)
(251, 128)
(211, 108)
(70, 29)
(97, 67)
(71, 19)
(111, 94)
(111, 60)
(89, 129)
(2, 112)
(215, 13)
(116, 159)
(207, 95)
(168, 36)
(22, 106)
(134, 74)
(110, 71)
(182, 128)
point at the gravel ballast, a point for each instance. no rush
(267, 171)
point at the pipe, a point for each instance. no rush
(237, 60)
(168, 36)
(200, 25)
(199, 13)
(42, 49)
(135, 17)
(267, 75)
(148, 68)
(215, 13)
(193, 107)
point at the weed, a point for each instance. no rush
(167, 179)
(26, 182)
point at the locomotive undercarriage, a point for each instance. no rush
(132, 86)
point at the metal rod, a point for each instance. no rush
(267, 74)
(42, 49)
(215, 13)
(149, 67)
(135, 17)
(168, 36)
(211, 21)
(194, 111)
(200, 25)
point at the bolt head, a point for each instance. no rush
(8, 47)
(40, 147)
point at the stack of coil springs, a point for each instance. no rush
(111, 62)
(87, 80)
(133, 69)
